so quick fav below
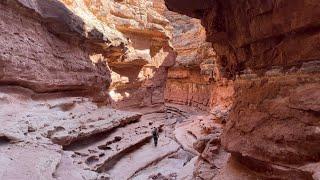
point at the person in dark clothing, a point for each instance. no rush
(155, 135)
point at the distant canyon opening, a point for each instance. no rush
(233, 88)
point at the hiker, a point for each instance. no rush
(155, 135)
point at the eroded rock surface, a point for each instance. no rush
(33, 57)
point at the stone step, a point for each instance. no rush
(183, 110)
(154, 117)
(175, 112)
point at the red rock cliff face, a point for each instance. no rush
(270, 50)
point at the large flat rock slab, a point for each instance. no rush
(128, 165)
(67, 169)
(28, 161)
(64, 133)
(101, 152)
(179, 165)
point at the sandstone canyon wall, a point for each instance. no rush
(195, 79)
(270, 50)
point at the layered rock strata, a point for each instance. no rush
(269, 49)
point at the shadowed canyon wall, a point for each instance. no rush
(270, 50)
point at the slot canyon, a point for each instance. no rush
(232, 86)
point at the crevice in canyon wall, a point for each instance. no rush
(195, 79)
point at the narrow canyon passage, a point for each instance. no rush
(232, 86)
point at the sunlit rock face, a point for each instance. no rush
(147, 54)
(187, 86)
(269, 49)
(70, 45)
